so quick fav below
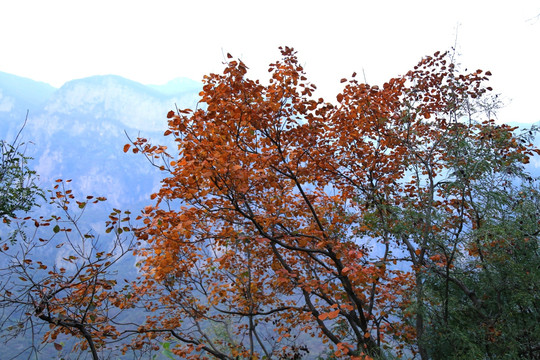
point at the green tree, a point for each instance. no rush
(469, 223)
(485, 303)
(18, 188)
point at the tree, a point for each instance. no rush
(399, 221)
(18, 188)
(485, 300)
(283, 215)
(76, 291)
(467, 217)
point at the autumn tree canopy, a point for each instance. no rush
(397, 221)
(369, 222)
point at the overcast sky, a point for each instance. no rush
(155, 41)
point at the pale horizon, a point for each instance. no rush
(152, 43)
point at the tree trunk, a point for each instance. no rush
(420, 317)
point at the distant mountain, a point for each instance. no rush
(178, 86)
(18, 94)
(117, 99)
(78, 131)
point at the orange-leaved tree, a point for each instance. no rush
(59, 274)
(283, 216)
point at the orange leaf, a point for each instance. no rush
(333, 314)
(126, 147)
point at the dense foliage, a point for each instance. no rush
(394, 221)
(397, 222)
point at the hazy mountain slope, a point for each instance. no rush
(19, 94)
(78, 131)
(178, 86)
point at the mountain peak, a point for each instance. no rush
(177, 86)
(21, 93)
(113, 97)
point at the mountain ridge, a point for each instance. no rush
(77, 131)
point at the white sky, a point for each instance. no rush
(155, 41)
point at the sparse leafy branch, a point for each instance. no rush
(75, 288)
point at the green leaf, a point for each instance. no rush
(56, 229)
(166, 351)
